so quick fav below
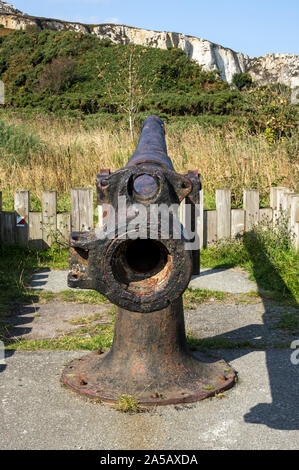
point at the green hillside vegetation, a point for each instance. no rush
(78, 74)
(60, 71)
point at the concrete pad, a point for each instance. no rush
(51, 281)
(253, 322)
(260, 412)
(41, 321)
(233, 281)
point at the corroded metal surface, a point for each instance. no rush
(150, 360)
(145, 276)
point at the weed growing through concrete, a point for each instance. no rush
(128, 404)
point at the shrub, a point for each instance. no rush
(20, 80)
(242, 80)
(58, 75)
(269, 111)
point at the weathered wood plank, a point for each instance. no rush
(275, 201)
(266, 215)
(273, 195)
(49, 216)
(82, 209)
(191, 218)
(36, 231)
(238, 222)
(223, 208)
(210, 228)
(8, 227)
(285, 205)
(64, 226)
(251, 201)
(22, 208)
(201, 221)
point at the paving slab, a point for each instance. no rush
(53, 319)
(232, 280)
(260, 412)
(256, 322)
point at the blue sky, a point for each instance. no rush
(254, 27)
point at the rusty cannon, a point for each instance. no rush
(140, 259)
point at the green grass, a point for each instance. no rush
(17, 143)
(87, 297)
(266, 253)
(204, 344)
(289, 322)
(97, 337)
(194, 297)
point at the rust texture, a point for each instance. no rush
(145, 277)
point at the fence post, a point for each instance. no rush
(22, 208)
(82, 209)
(294, 219)
(251, 205)
(49, 216)
(238, 222)
(36, 231)
(275, 200)
(209, 227)
(223, 208)
(192, 217)
(201, 219)
(64, 226)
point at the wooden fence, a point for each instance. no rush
(40, 229)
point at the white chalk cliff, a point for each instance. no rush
(271, 68)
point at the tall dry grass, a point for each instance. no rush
(73, 156)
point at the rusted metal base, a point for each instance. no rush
(149, 360)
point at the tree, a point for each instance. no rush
(131, 87)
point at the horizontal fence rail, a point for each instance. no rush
(41, 229)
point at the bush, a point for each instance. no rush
(59, 75)
(242, 80)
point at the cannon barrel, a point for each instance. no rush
(138, 259)
(152, 146)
